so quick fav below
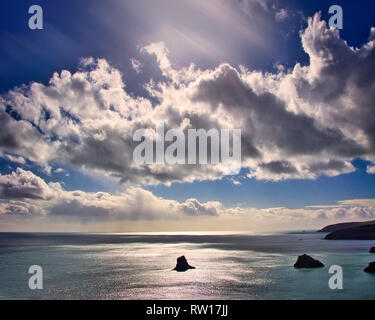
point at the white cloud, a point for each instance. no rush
(136, 64)
(25, 194)
(14, 159)
(311, 121)
(23, 184)
(281, 15)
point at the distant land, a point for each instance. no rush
(350, 231)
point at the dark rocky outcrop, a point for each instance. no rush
(372, 250)
(370, 268)
(361, 232)
(339, 226)
(306, 261)
(350, 231)
(182, 265)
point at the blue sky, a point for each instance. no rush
(203, 34)
(74, 29)
(288, 193)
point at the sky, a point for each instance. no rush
(73, 93)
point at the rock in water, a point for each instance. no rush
(306, 261)
(372, 250)
(370, 268)
(182, 264)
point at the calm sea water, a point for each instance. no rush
(138, 266)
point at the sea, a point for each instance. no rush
(139, 266)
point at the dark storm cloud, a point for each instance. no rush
(22, 184)
(278, 167)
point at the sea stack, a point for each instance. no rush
(372, 250)
(182, 265)
(370, 268)
(306, 261)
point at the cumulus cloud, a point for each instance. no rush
(350, 210)
(14, 159)
(23, 184)
(310, 121)
(136, 64)
(193, 207)
(281, 15)
(24, 193)
(371, 169)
